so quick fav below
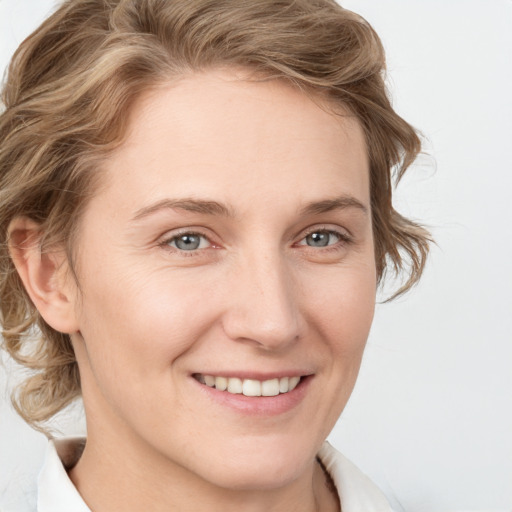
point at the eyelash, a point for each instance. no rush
(165, 244)
(343, 240)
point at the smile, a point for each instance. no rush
(250, 387)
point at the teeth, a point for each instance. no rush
(270, 387)
(293, 383)
(235, 386)
(221, 383)
(250, 387)
(209, 380)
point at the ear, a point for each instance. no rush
(46, 276)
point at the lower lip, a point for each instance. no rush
(258, 405)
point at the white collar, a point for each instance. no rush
(56, 492)
(356, 491)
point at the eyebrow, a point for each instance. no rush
(215, 208)
(188, 204)
(337, 203)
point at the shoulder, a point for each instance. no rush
(356, 491)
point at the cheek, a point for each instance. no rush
(344, 317)
(340, 316)
(135, 327)
(344, 307)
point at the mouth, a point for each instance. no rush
(250, 387)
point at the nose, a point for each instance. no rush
(262, 307)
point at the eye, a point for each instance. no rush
(188, 242)
(321, 238)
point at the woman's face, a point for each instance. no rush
(230, 245)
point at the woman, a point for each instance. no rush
(196, 212)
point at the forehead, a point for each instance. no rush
(215, 132)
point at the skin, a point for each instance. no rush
(255, 297)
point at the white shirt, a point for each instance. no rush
(56, 492)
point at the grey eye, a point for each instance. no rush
(187, 242)
(321, 239)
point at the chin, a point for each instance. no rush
(259, 465)
(256, 477)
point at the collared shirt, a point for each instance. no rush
(56, 492)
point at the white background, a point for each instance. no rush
(431, 417)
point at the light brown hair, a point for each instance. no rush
(66, 106)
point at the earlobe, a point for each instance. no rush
(44, 274)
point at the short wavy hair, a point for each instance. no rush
(66, 104)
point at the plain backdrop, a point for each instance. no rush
(430, 419)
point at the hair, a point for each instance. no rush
(66, 106)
